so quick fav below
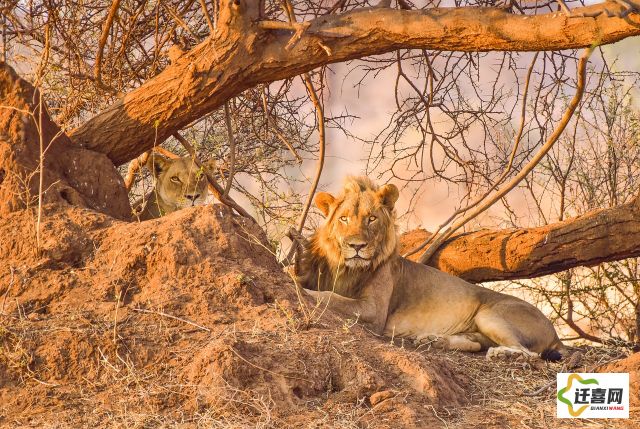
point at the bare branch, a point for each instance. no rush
(503, 176)
(207, 16)
(232, 150)
(321, 155)
(568, 319)
(582, 70)
(97, 68)
(276, 131)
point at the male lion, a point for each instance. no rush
(352, 264)
(179, 183)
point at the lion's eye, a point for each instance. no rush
(372, 219)
(175, 179)
(344, 219)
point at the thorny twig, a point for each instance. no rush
(232, 150)
(582, 66)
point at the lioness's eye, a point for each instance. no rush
(372, 218)
(175, 179)
(344, 219)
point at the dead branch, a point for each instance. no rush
(207, 16)
(321, 136)
(232, 150)
(568, 319)
(321, 155)
(503, 176)
(296, 248)
(180, 319)
(518, 253)
(97, 69)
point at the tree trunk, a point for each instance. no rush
(244, 53)
(486, 255)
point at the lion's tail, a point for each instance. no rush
(555, 352)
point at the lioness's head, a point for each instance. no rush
(179, 182)
(359, 232)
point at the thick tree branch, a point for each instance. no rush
(595, 237)
(240, 55)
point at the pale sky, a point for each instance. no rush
(374, 102)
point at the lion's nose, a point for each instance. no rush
(357, 246)
(192, 197)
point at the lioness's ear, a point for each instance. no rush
(157, 164)
(388, 195)
(324, 200)
(210, 165)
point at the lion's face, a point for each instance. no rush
(180, 182)
(360, 230)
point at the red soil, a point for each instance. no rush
(632, 366)
(90, 333)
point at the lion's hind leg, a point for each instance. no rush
(516, 331)
(460, 342)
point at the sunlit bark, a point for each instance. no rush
(595, 237)
(245, 52)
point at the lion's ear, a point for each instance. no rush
(157, 164)
(324, 200)
(388, 195)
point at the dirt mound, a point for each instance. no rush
(188, 319)
(410, 240)
(71, 174)
(631, 365)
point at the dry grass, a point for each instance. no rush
(501, 393)
(142, 398)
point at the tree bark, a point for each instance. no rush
(487, 255)
(245, 52)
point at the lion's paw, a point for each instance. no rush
(504, 352)
(434, 341)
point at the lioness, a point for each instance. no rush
(179, 183)
(352, 264)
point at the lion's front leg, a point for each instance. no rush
(461, 342)
(363, 310)
(371, 306)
